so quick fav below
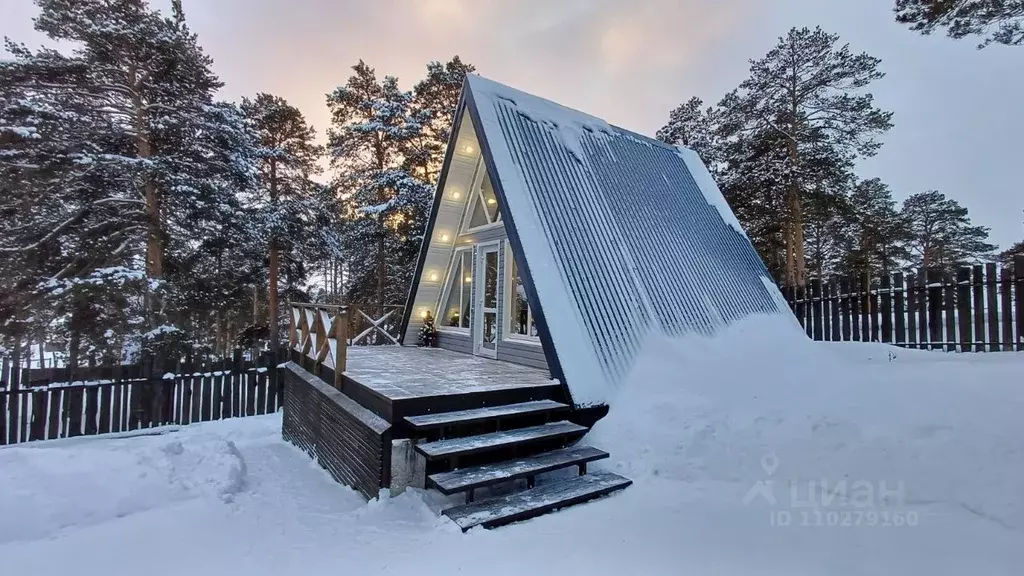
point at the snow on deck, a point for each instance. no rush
(402, 373)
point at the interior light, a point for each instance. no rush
(433, 276)
(469, 149)
(492, 201)
(456, 195)
(424, 313)
(469, 279)
(444, 237)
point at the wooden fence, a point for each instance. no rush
(49, 403)
(979, 309)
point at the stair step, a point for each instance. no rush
(428, 421)
(540, 500)
(495, 440)
(490, 474)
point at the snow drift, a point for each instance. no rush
(703, 425)
(49, 487)
(762, 402)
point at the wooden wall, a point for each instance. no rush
(352, 443)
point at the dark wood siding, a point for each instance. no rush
(455, 342)
(524, 353)
(352, 443)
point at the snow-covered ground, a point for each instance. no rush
(729, 442)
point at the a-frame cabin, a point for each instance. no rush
(556, 246)
(558, 241)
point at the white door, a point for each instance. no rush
(485, 329)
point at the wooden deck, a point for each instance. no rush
(396, 381)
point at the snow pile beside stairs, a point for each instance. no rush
(714, 412)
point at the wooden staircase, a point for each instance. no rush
(479, 449)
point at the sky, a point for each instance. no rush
(958, 117)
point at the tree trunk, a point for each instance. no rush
(273, 264)
(272, 293)
(154, 236)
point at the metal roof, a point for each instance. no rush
(619, 236)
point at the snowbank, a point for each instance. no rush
(50, 487)
(841, 427)
(713, 432)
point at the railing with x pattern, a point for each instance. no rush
(319, 335)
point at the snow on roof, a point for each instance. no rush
(620, 237)
(568, 123)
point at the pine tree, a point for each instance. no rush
(435, 99)
(386, 206)
(146, 74)
(809, 90)
(122, 165)
(693, 126)
(942, 235)
(999, 21)
(289, 160)
(875, 233)
(1006, 257)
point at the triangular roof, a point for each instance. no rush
(618, 236)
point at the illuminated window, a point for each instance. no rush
(483, 203)
(520, 318)
(455, 313)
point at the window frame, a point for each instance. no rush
(509, 280)
(477, 196)
(457, 256)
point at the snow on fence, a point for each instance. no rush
(49, 403)
(979, 309)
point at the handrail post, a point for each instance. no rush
(341, 336)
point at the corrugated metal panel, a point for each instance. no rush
(634, 242)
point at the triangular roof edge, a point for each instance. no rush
(467, 103)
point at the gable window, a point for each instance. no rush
(454, 312)
(520, 318)
(483, 203)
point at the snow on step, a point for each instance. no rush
(540, 500)
(427, 421)
(479, 476)
(484, 442)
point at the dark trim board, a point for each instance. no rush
(554, 365)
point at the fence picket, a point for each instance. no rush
(37, 427)
(963, 307)
(1004, 316)
(886, 310)
(115, 408)
(912, 305)
(816, 308)
(104, 408)
(1018, 266)
(992, 307)
(976, 308)
(898, 300)
(870, 317)
(91, 410)
(978, 286)
(950, 315)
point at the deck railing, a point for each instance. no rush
(318, 338)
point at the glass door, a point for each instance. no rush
(486, 321)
